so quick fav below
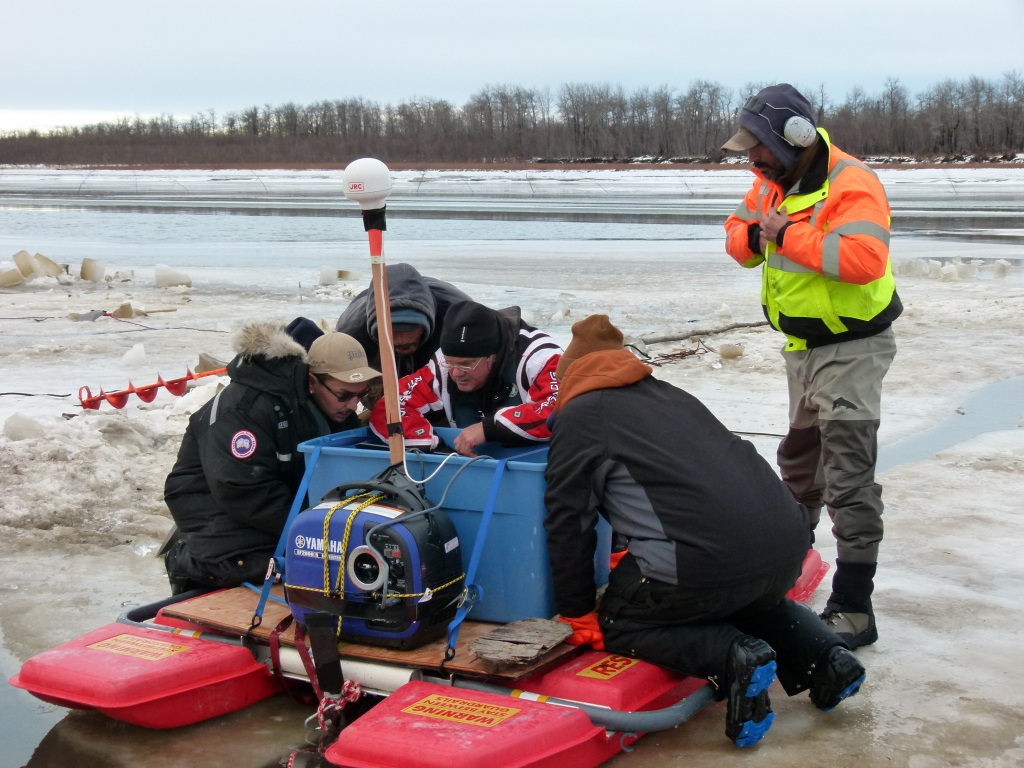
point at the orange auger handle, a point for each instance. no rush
(146, 394)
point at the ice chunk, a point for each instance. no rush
(25, 263)
(167, 277)
(126, 310)
(966, 271)
(730, 351)
(935, 269)
(92, 270)
(47, 267)
(328, 276)
(949, 273)
(19, 427)
(134, 357)
(9, 277)
(1001, 268)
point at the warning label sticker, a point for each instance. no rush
(608, 667)
(461, 710)
(139, 647)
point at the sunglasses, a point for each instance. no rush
(346, 397)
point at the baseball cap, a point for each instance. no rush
(340, 357)
(763, 118)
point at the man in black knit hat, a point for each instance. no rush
(493, 377)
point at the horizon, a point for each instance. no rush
(45, 120)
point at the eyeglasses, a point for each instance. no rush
(346, 397)
(460, 366)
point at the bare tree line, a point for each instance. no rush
(578, 122)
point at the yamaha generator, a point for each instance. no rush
(381, 561)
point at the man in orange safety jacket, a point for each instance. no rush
(817, 221)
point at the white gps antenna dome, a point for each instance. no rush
(799, 131)
(368, 182)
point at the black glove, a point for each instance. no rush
(754, 237)
(442, 446)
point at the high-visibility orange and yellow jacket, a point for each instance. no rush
(831, 279)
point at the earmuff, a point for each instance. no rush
(797, 131)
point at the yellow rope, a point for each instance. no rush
(370, 499)
(339, 590)
(456, 580)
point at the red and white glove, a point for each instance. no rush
(585, 629)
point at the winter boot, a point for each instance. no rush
(848, 612)
(836, 677)
(750, 669)
(854, 629)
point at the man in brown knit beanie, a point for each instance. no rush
(715, 540)
(592, 334)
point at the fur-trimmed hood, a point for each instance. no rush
(269, 360)
(267, 339)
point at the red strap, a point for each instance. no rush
(275, 659)
(307, 661)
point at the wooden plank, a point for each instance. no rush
(231, 610)
(519, 643)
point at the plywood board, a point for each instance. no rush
(231, 610)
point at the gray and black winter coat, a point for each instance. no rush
(699, 506)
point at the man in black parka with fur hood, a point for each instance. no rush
(238, 468)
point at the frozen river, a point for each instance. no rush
(643, 246)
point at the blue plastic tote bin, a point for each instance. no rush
(513, 570)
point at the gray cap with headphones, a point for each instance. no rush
(778, 117)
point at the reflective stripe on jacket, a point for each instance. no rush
(832, 279)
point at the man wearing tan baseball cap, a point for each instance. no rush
(339, 375)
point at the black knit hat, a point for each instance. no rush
(470, 330)
(304, 331)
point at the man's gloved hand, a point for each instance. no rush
(585, 629)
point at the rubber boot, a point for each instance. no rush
(848, 612)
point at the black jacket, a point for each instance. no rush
(238, 469)
(407, 289)
(699, 506)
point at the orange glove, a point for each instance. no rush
(585, 629)
(615, 557)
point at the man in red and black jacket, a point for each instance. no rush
(493, 377)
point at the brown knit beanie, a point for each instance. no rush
(591, 334)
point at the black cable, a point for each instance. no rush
(34, 394)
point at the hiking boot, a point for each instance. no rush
(749, 671)
(854, 629)
(837, 677)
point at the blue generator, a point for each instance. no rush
(392, 576)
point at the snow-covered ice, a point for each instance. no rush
(81, 511)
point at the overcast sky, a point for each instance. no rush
(66, 62)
